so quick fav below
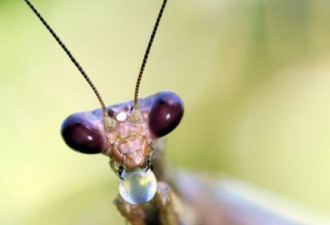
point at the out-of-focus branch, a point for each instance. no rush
(185, 198)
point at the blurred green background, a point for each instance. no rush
(254, 76)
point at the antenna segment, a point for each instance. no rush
(144, 62)
(108, 122)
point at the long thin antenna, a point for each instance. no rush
(108, 123)
(144, 62)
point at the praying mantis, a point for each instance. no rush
(132, 134)
(127, 133)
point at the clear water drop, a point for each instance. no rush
(138, 187)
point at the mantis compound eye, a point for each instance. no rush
(82, 136)
(165, 114)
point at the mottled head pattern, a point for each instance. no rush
(130, 142)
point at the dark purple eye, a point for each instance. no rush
(82, 136)
(165, 114)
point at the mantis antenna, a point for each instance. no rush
(108, 122)
(146, 55)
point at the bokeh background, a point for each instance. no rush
(254, 76)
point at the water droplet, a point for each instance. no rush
(138, 187)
